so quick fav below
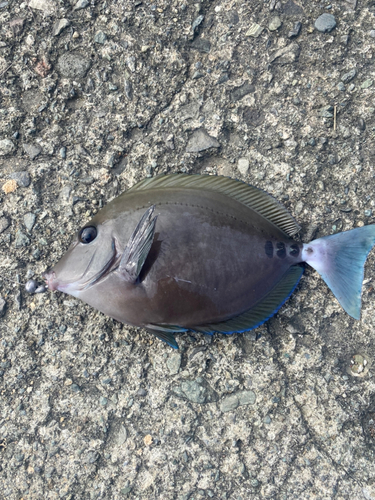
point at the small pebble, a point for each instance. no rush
(81, 4)
(275, 23)
(295, 31)
(100, 37)
(21, 239)
(200, 140)
(148, 440)
(59, 26)
(243, 166)
(347, 77)
(22, 178)
(29, 220)
(32, 150)
(366, 84)
(6, 147)
(255, 30)
(2, 306)
(4, 224)
(325, 23)
(368, 213)
(197, 75)
(31, 286)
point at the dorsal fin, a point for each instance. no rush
(256, 199)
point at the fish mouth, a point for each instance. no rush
(112, 264)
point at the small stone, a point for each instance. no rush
(18, 302)
(275, 23)
(92, 457)
(103, 401)
(255, 30)
(4, 224)
(239, 92)
(32, 150)
(128, 89)
(60, 25)
(229, 403)
(368, 213)
(345, 39)
(29, 220)
(196, 391)
(325, 23)
(31, 286)
(81, 4)
(243, 166)
(21, 239)
(358, 365)
(200, 140)
(63, 152)
(347, 77)
(174, 363)
(197, 75)
(246, 397)
(87, 180)
(148, 440)
(65, 193)
(201, 45)
(9, 186)
(73, 65)
(341, 87)
(286, 55)
(366, 84)
(6, 147)
(48, 6)
(222, 79)
(22, 178)
(100, 37)
(197, 22)
(121, 436)
(372, 33)
(3, 306)
(295, 31)
(75, 388)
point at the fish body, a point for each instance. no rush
(185, 252)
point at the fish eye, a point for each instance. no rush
(87, 234)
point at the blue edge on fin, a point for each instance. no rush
(175, 345)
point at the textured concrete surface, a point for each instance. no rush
(97, 95)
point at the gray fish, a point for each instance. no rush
(205, 253)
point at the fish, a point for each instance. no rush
(205, 253)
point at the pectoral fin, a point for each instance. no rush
(138, 247)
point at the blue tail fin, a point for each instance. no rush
(340, 259)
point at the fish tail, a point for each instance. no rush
(340, 259)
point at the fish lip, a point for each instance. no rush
(50, 278)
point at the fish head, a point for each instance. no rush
(91, 256)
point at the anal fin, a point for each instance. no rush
(165, 333)
(260, 313)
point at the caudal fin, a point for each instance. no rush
(340, 259)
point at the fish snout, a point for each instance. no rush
(50, 277)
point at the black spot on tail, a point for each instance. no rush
(268, 247)
(294, 250)
(281, 252)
